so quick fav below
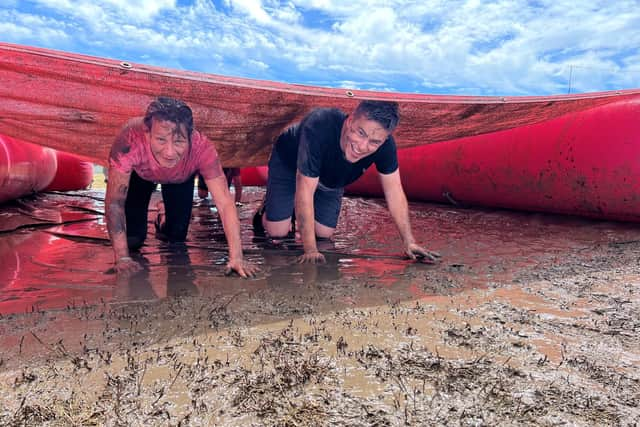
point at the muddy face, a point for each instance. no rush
(361, 137)
(168, 141)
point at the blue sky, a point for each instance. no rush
(460, 47)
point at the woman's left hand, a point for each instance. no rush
(244, 268)
(415, 251)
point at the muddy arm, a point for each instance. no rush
(117, 188)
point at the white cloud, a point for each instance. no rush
(25, 28)
(285, 13)
(456, 46)
(138, 10)
(17, 32)
(256, 64)
(251, 8)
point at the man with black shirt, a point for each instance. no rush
(313, 161)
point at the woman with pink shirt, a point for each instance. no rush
(162, 147)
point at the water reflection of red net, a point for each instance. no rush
(383, 271)
(41, 271)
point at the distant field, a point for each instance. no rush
(98, 181)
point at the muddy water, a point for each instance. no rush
(58, 255)
(544, 296)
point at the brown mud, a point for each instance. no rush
(529, 319)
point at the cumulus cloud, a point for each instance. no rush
(137, 10)
(251, 8)
(257, 64)
(25, 28)
(509, 47)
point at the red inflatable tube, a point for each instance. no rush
(585, 163)
(256, 176)
(24, 168)
(28, 168)
(73, 173)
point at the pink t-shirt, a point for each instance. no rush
(202, 157)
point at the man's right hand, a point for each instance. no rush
(127, 265)
(313, 257)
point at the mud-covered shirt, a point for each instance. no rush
(134, 154)
(313, 147)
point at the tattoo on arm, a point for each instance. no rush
(117, 189)
(118, 225)
(118, 222)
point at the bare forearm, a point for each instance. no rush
(399, 210)
(398, 205)
(305, 189)
(228, 214)
(231, 226)
(116, 225)
(305, 221)
(117, 190)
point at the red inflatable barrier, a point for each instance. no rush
(28, 168)
(573, 165)
(256, 176)
(24, 168)
(73, 173)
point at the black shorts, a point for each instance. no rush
(281, 189)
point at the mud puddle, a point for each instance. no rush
(530, 319)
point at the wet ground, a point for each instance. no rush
(530, 319)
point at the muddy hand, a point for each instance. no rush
(126, 265)
(311, 258)
(243, 268)
(414, 252)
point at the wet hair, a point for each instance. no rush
(172, 110)
(384, 112)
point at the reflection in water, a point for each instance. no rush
(10, 267)
(41, 271)
(166, 273)
(53, 266)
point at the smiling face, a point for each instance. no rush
(168, 142)
(361, 137)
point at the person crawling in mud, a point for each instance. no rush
(163, 147)
(314, 160)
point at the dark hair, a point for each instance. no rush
(383, 112)
(168, 109)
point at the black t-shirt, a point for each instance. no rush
(313, 146)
